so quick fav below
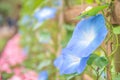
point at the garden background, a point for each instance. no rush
(35, 34)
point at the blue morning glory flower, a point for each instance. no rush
(45, 14)
(43, 75)
(69, 63)
(87, 36)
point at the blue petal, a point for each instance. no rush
(82, 65)
(45, 13)
(58, 62)
(43, 75)
(68, 64)
(87, 36)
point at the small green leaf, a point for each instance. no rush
(92, 58)
(44, 37)
(92, 11)
(69, 27)
(101, 62)
(116, 30)
(70, 76)
(98, 61)
(2, 44)
(44, 64)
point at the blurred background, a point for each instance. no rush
(32, 34)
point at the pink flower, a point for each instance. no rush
(12, 55)
(4, 66)
(18, 70)
(16, 77)
(30, 75)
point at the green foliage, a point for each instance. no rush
(116, 77)
(92, 58)
(29, 6)
(5, 8)
(92, 11)
(2, 44)
(89, 1)
(101, 62)
(98, 61)
(5, 76)
(43, 64)
(116, 30)
(44, 37)
(71, 76)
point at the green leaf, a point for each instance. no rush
(69, 27)
(44, 63)
(44, 37)
(30, 6)
(6, 76)
(89, 1)
(92, 58)
(116, 77)
(116, 30)
(2, 44)
(98, 61)
(92, 11)
(101, 62)
(5, 8)
(70, 76)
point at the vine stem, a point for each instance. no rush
(108, 48)
(108, 68)
(107, 52)
(117, 44)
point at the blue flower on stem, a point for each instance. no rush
(87, 37)
(45, 14)
(69, 63)
(43, 75)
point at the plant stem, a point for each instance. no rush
(109, 72)
(117, 57)
(108, 68)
